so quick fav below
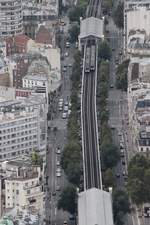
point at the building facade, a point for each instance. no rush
(23, 186)
(11, 19)
(23, 127)
(134, 11)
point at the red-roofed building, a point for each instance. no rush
(44, 36)
(17, 44)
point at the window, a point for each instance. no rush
(17, 192)
(28, 192)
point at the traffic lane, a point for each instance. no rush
(60, 181)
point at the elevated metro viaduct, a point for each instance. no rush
(90, 27)
(94, 205)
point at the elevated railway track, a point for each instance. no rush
(92, 167)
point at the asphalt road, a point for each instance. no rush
(118, 109)
(55, 140)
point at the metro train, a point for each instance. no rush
(90, 58)
(87, 59)
(93, 57)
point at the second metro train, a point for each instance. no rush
(90, 58)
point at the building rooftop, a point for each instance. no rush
(91, 27)
(6, 221)
(43, 36)
(18, 40)
(26, 216)
(36, 77)
(95, 207)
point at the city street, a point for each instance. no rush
(56, 140)
(118, 120)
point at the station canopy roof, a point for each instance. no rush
(91, 27)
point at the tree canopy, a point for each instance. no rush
(118, 15)
(71, 162)
(139, 179)
(74, 32)
(104, 51)
(110, 155)
(107, 5)
(67, 200)
(108, 178)
(75, 13)
(121, 76)
(121, 206)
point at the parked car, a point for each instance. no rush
(124, 173)
(58, 170)
(117, 175)
(61, 100)
(66, 108)
(123, 162)
(58, 151)
(66, 54)
(60, 108)
(58, 174)
(58, 163)
(69, 112)
(64, 115)
(64, 69)
(58, 188)
(67, 44)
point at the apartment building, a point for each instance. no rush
(11, 19)
(38, 12)
(139, 103)
(134, 11)
(18, 67)
(4, 73)
(23, 127)
(23, 186)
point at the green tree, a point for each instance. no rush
(106, 136)
(118, 15)
(109, 178)
(121, 76)
(72, 152)
(71, 162)
(75, 13)
(107, 5)
(104, 51)
(67, 200)
(74, 33)
(110, 155)
(36, 158)
(74, 172)
(121, 205)
(138, 179)
(104, 116)
(119, 218)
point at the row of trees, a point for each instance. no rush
(75, 13)
(110, 154)
(118, 15)
(71, 160)
(139, 179)
(121, 76)
(72, 157)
